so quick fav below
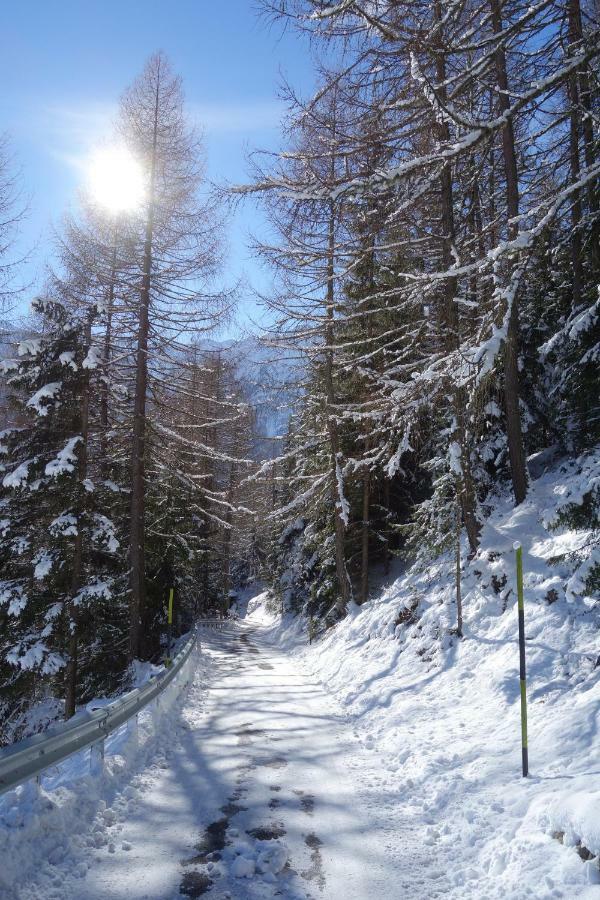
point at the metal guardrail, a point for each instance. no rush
(217, 624)
(29, 758)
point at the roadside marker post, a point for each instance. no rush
(522, 669)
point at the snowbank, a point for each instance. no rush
(43, 827)
(441, 715)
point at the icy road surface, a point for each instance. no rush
(265, 793)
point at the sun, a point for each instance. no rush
(115, 180)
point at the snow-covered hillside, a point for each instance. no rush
(441, 715)
(398, 776)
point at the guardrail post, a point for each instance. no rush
(156, 710)
(97, 757)
(132, 729)
(32, 788)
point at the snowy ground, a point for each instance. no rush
(440, 717)
(381, 762)
(262, 791)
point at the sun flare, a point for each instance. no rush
(115, 180)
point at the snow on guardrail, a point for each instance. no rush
(29, 758)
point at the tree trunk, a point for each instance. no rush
(459, 610)
(580, 98)
(138, 485)
(226, 569)
(366, 484)
(365, 533)
(77, 563)
(105, 389)
(516, 450)
(574, 128)
(387, 559)
(344, 587)
(465, 489)
(205, 581)
(586, 123)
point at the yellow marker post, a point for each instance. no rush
(169, 625)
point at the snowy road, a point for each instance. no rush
(265, 792)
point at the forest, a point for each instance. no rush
(430, 342)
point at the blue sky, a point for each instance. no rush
(65, 63)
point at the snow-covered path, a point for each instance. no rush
(262, 774)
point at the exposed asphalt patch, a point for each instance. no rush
(315, 872)
(210, 845)
(273, 762)
(246, 643)
(245, 735)
(232, 809)
(265, 666)
(238, 794)
(307, 802)
(194, 884)
(267, 832)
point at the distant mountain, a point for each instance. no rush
(268, 380)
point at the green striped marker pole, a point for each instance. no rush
(169, 626)
(522, 671)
